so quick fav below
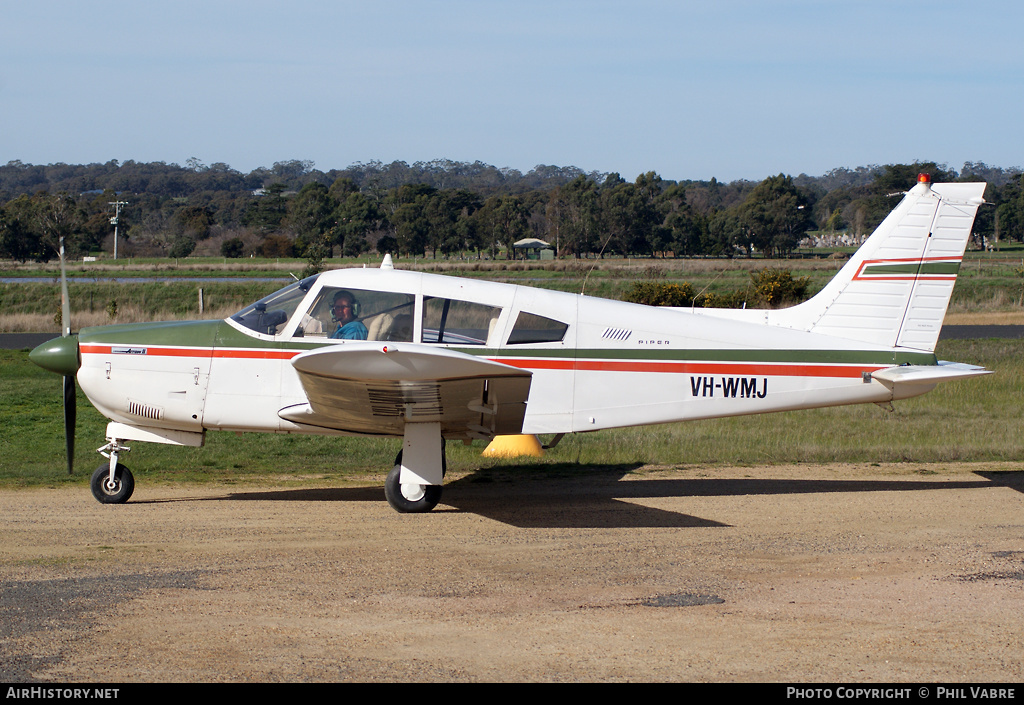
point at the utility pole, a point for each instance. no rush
(113, 221)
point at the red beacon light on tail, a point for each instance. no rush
(924, 178)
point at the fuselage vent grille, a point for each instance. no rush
(137, 408)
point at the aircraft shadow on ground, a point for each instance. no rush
(595, 496)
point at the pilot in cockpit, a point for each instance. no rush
(344, 310)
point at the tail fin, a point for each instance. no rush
(895, 289)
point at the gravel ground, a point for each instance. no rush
(905, 573)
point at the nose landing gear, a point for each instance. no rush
(112, 483)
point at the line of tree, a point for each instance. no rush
(453, 209)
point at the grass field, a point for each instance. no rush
(988, 283)
(973, 420)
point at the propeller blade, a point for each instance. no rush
(70, 415)
(70, 393)
(65, 301)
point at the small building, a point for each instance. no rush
(533, 248)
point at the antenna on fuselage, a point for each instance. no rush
(387, 263)
(693, 303)
(583, 289)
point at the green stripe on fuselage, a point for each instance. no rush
(189, 334)
(207, 334)
(199, 334)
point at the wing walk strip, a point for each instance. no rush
(794, 369)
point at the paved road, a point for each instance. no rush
(27, 341)
(966, 332)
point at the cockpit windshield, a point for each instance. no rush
(270, 313)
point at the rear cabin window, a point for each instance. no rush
(531, 328)
(457, 322)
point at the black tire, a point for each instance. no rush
(116, 493)
(411, 499)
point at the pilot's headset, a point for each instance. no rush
(348, 295)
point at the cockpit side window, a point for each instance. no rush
(531, 328)
(359, 314)
(271, 313)
(458, 322)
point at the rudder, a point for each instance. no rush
(895, 289)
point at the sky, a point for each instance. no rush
(731, 89)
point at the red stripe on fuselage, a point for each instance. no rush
(253, 354)
(665, 367)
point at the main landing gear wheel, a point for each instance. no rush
(116, 491)
(410, 498)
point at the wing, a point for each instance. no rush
(377, 388)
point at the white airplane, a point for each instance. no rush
(430, 358)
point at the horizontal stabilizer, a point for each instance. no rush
(911, 380)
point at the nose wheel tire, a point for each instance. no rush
(409, 498)
(116, 491)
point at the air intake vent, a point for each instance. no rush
(619, 334)
(137, 408)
